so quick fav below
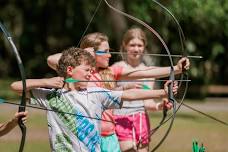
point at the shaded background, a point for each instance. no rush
(43, 27)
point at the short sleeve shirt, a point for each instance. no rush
(133, 106)
(74, 125)
(107, 128)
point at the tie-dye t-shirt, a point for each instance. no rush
(73, 125)
(107, 128)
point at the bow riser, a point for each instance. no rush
(23, 98)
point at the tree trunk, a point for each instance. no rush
(117, 20)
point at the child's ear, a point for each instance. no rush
(70, 70)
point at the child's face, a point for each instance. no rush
(102, 61)
(82, 73)
(135, 49)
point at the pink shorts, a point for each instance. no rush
(134, 127)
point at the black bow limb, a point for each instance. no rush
(22, 73)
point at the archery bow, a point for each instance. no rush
(171, 97)
(182, 40)
(23, 98)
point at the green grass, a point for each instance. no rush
(37, 132)
(5, 91)
(30, 146)
(189, 126)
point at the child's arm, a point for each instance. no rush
(8, 126)
(139, 94)
(53, 60)
(155, 72)
(136, 85)
(55, 82)
(152, 106)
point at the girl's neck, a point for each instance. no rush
(133, 63)
(99, 69)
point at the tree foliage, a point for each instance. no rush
(44, 27)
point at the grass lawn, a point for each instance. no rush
(187, 126)
(5, 91)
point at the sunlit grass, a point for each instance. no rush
(5, 91)
(189, 126)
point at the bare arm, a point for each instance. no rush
(55, 82)
(8, 126)
(150, 104)
(155, 72)
(139, 94)
(153, 106)
(53, 60)
(147, 73)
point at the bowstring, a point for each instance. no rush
(182, 42)
(87, 27)
(46, 109)
(155, 33)
(22, 104)
(184, 74)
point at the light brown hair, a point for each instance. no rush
(132, 33)
(73, 57)
(94, 40)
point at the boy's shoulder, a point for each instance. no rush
(42, 91)
(91, 89)
(99, 91)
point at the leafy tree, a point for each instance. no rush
(44, 27)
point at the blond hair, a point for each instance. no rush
(94, 40)
(107, 74)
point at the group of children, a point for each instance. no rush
(104, 115)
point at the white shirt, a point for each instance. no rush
(75, 132)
